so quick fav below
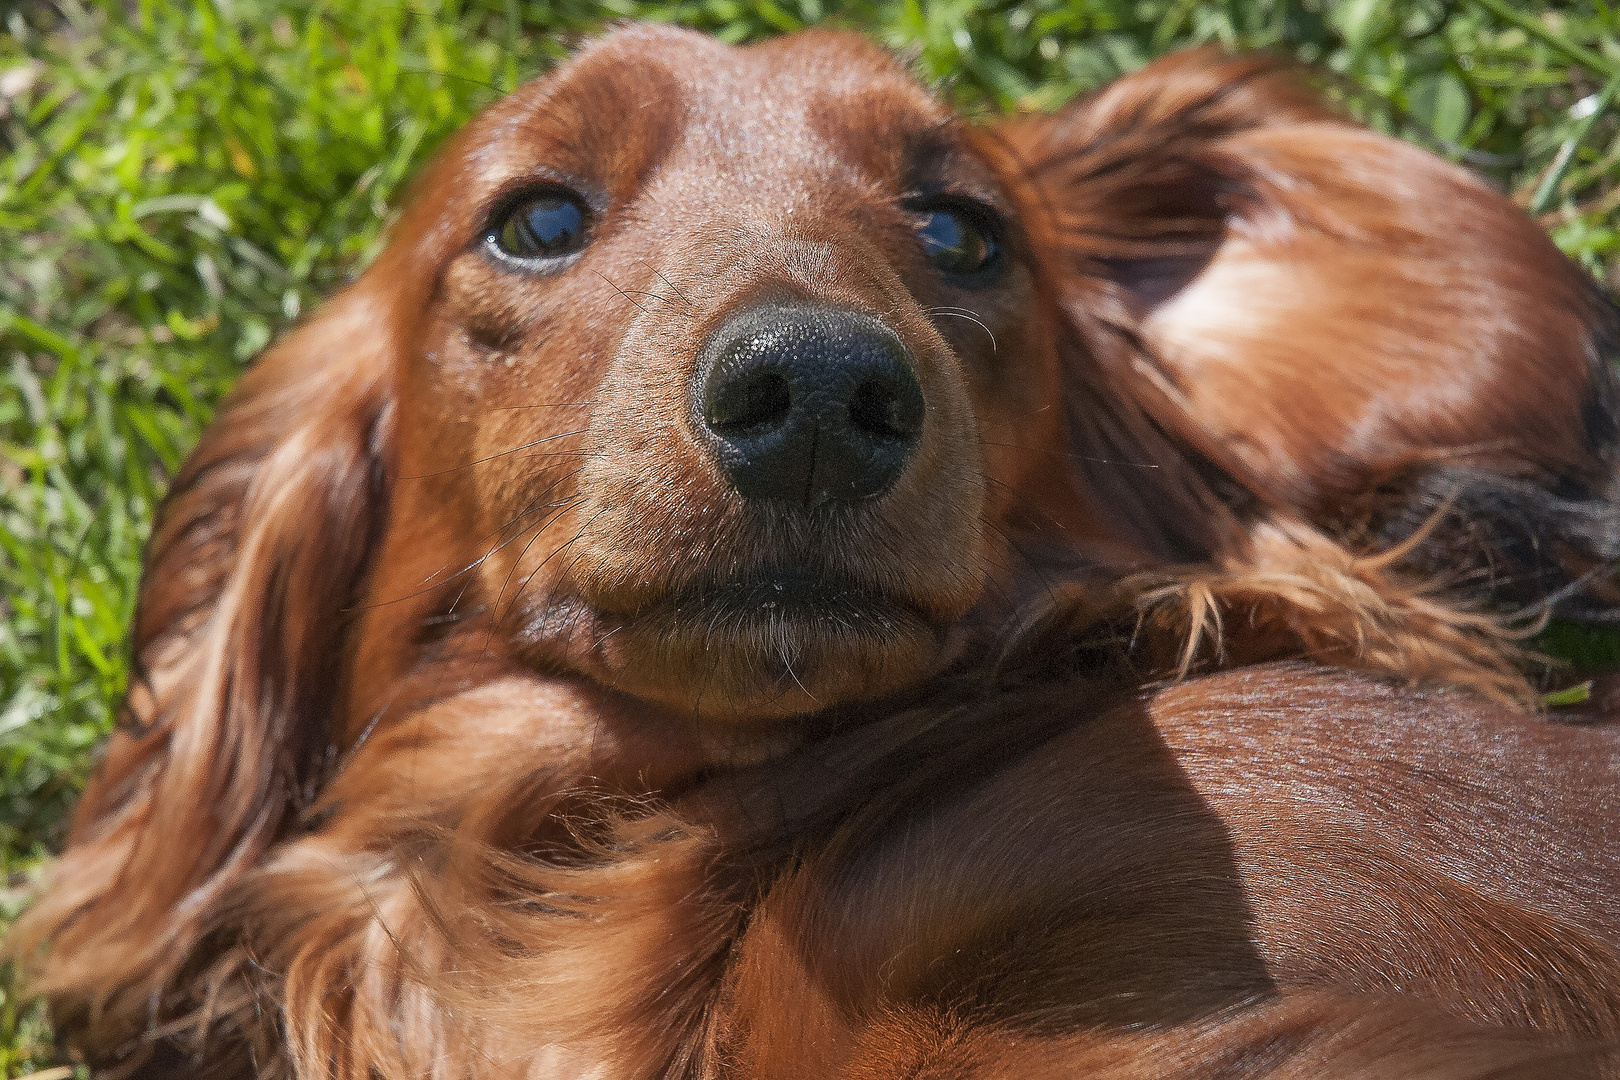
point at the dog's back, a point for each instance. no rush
(1285, 848)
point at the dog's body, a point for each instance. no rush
(1274, 831)
(681, 612)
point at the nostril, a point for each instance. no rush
(751, 399)
(887, 407)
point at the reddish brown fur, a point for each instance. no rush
(451, 758)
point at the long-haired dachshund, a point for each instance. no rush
(683, 611)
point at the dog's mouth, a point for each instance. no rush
(781, 642)
(789, 597)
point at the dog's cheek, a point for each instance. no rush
(495, 308)
(514, 369)
(1011, 372)
(1014, 383)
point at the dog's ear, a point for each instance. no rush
(1329, 323)
(238, 644)
(1122, 200)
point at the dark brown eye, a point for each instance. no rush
(959, 241)
(548, 225)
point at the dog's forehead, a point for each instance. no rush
(647, 93)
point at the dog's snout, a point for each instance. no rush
(809, 404)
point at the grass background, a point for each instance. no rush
(179, 180)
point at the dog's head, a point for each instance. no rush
(736, 379)
(753, 381)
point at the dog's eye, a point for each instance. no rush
(959, 241)
(547, 225)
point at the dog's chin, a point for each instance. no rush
(777, 646)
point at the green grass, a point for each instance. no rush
(179, 180)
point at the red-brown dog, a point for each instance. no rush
(664, 619)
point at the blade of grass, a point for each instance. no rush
(1566, 153)
(1539, 30)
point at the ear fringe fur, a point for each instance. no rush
(260, 542)
(1291, 591)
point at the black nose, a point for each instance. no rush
(809, 404)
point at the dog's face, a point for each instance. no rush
(739, 343)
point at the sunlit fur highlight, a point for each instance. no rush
(1297, 593)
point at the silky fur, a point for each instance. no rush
(444, 759)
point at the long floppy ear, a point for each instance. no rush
(1353, 332)
(1118, 202)
(238, 644)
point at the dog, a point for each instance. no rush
(684, 611)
